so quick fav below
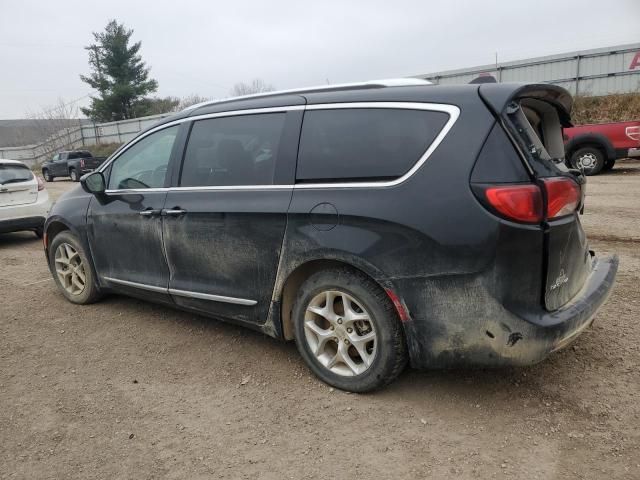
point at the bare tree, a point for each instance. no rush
(189, 100)
(58, 127)
(257, 85)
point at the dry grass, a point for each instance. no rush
(103, 149)
(608, 108)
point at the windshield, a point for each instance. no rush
(14, 174)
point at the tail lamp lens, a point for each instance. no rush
(522, 203)
(563, 196)
(633, 132)
(40, 184)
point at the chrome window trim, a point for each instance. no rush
(452, 110)
(231, 113)
(183, 293)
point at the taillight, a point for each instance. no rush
(522, 203)
(633, 132)
(563, 196)
(82, 163)
(40, 184)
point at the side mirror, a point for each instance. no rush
(94, 183)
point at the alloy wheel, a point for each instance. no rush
(340, 333)
(70, 269)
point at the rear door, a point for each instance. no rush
(224, 223)
(18, 186)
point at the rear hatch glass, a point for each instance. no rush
(17, 185)
(536, 126)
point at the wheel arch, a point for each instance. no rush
(594, 140)
(53, 228)
(297, 276)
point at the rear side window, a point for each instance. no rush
(364, 143)
(240, 150)
(14, 174)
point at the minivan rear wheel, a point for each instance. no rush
(347, 331)
(71, 269)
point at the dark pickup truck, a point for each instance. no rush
(72, 164)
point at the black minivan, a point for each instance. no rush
(374, 224)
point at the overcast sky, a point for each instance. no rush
(205, 47)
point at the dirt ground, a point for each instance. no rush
(126, 389)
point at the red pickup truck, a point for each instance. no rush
(596, 147)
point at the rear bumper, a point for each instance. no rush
(475, 329)
(19, 224)
(633, 152)
(558, 329)
(28, 216)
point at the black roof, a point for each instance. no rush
(496, 95)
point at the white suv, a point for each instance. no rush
(24, 201)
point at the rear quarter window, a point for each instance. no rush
(364, 143)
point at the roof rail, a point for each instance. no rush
(388, 82)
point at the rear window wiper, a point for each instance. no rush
(15, 180)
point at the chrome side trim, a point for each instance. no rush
(233, 188)
(142, 286)
(136, 190)
(452, 110)
(183, 293)
(214, 298)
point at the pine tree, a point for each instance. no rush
(119, 75)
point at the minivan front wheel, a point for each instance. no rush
(71, 269)
(347, 331)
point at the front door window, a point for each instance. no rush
(144, 165)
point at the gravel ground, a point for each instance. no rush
(127, 389)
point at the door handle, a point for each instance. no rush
(174, 212)
(149, 212)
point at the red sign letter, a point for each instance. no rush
(635, 63)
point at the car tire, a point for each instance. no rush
(589, 160)
(39, 232)
(608, 165)
(74, 175)
(359, 318)
(68, 263)
(47, 176)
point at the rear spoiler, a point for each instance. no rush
(499, 95)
